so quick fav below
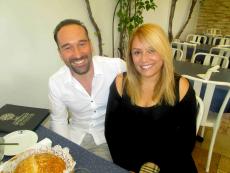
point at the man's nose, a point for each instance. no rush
(76, 52)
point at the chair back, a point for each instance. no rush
(196, 39)
(191, 37)
(188, 49)
(223, 51)
(220, 51)
(200, 106)
(214, 31)
(221, 41)
(209, 59)
(207, 88)
(177, 54)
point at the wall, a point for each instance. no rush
(161, 16)
(214, 14)
(29, 54)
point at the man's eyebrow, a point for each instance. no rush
(68, 44)
(86, 40)
(65, 45)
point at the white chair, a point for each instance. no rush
(223, 51)
(191, 38)
(213, 31)
(177, 54)
(200, 105)
(224, 46)
(224, 41)
(220, 51)
(221, 41)
(176, 40)
(188, 49)
(210, 120)
(196, 39)
(208, 59)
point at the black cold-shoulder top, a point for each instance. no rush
(161, 134)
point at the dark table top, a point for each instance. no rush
(193, 69)
(83, 158)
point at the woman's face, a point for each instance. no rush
(146, 60)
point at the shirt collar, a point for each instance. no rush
(97, 67)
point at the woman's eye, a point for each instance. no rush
(135, 53)
(151, 51)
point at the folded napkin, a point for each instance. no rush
(43, 142)
(207, 75)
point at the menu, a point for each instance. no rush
(17, 117)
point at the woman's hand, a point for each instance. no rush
(149, 167)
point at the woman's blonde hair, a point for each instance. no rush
(154, 36)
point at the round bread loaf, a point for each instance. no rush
(41, 163)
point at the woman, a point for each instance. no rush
(151, 111)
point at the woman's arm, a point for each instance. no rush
(188, 112)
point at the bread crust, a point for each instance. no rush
(41, 163)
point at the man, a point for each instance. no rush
(78, 92)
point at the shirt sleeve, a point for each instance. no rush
(121, 65)
(59, 114)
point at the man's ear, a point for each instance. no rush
(91, 45)
(59, 52)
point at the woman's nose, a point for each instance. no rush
(144, 56)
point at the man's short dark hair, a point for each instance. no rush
(68, 22)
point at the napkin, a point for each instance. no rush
(43, 142)
(207, 75)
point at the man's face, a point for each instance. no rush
(75, 48)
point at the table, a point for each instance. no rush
(83, 158)
(193, 69)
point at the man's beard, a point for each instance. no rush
(80, 70)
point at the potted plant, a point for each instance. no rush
(130, 16)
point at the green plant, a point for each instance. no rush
(130, 16)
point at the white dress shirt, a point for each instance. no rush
(73, 111)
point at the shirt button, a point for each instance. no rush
(95, 111)
(91, 101)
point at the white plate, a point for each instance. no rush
(25, 138)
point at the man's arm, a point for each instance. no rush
(59, 114)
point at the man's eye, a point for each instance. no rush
(82, 44)
(67, 48)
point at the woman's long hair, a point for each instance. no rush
(154, 36)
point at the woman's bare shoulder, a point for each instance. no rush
(183, 87)
(119, 81)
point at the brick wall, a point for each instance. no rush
(214, 14)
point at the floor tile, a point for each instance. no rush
(224, 164)
(220, 162)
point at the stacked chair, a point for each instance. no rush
(209, 59)
(185, 47)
